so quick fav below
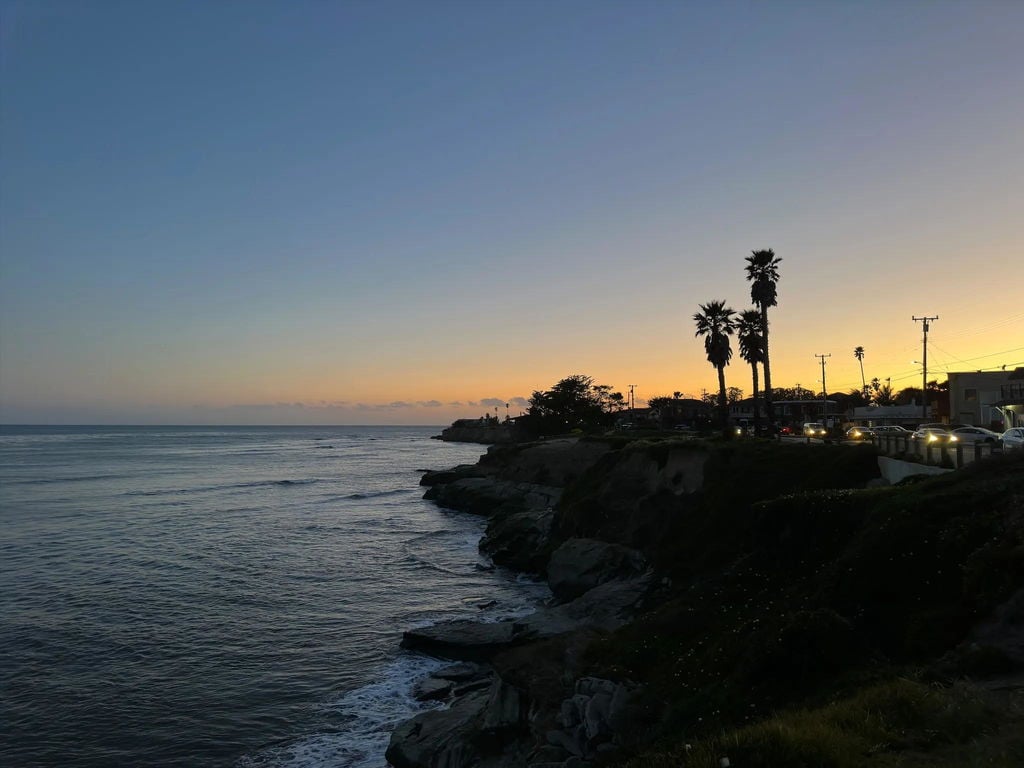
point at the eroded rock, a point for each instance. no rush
(579, 565)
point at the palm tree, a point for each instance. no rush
(763, 275)
(715, 323)
(858, 352)
(751, 342)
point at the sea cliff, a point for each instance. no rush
(700, 587)
(486, 430)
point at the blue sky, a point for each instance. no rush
(211, 209)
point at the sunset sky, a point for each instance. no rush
(408, 212)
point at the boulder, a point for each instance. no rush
(590, 717)
(505, 710)
(519, 540)
(579, 565)
(440, 737)
(432, 689)
(461, 639)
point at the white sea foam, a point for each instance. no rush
(361, 722)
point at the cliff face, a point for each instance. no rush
(486, 431)
(699, 585)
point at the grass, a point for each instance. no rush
(784, 590)
(898, 723)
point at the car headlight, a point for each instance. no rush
(932, 438)
(953, 438)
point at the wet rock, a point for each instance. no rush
(463, 640)
(439, 738)
(519, 540)
(462, 672)
(432, 689)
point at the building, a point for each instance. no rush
(993, 399)
(788, 413)
(682, 410)
(881, 415)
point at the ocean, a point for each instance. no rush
(231, 596)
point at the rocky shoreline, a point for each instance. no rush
(700, 586)
(491, 717)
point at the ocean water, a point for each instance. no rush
(225, 596)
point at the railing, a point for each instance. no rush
(954, 455)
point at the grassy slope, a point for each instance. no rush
(787, 595)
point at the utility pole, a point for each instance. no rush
(632, 402)
(824, 389)
(924, 365)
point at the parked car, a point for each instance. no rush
(931, 435)
(815, 429)
(890, 429)
(1013, 438)
(973, 435)
(859, 433)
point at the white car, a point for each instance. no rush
(1013, 438)
(890, 429)
(814, 429)
(931, 435)
(973, 435)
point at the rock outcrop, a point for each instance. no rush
(599, 586)
(591, 719)
(486, 430)
(579, 565)
(484, 719)
(605, 607)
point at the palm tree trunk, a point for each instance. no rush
(757, 407)
(723, 408)
(769, 408)
(863, 384)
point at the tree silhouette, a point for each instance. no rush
(715, 323)
(882, 394)
(858, 352)
(763, 276)
(575, 402)
(751, 342)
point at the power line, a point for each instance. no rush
(1006, 321)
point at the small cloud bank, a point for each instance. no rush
(294, 412)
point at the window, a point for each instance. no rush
(970, 395)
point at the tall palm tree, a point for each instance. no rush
(763, 276)
(715, 323)
(751, 341)
(858, 352)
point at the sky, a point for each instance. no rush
(410, 212)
